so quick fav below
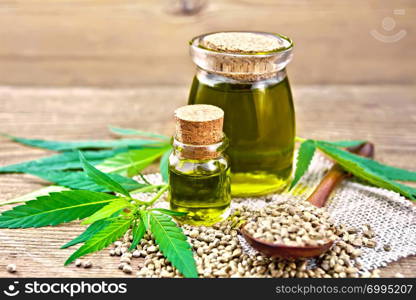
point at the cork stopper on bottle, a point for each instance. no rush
(248, 56)
(199, 124)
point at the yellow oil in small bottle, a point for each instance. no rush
(201, 189)
(199, 171)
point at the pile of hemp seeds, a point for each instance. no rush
(219, 253)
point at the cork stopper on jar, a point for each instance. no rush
(248, 56)
(199, 124)
(241, 42)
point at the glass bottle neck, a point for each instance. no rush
(199, 152)
(211, 79)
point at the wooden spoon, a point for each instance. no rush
(317, 198)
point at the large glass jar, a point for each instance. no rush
(254, 92)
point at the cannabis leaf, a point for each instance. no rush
(304, 158)
(132, 162)
(173, 244)
(343, 144)
(54, 209)
(110, 233)
(74, 145)
(164, 165)
(144, 216)
(102, 178)
(110, 216)
(353, 164)
(365, 168)
(108, 210)
(389, 172)
(62, 161)
(81, 181)
(33, 195)
(129, 131)
(139, 229)
(170, 212)
(88, 233)
(307, 150)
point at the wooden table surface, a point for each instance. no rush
(385, 115)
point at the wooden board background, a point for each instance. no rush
(132, 56)
(140, 42)
(385, 115)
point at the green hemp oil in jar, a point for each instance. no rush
(199, 172)
(244, 74)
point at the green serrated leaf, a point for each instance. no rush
(132, 162)
(74, 145)
(80, 181)
(352, 143)
(108, 210)
(355, 166)
(164, 165)
(33, 195)
(144, 216)
(129, 131)
(62, 161)
(101, 178)
(170, 212)
(54, 209)
(389, 172)
(173, 244)
(304, 158)
(88, 233)
(102, 238)
(139, 230)
(392, 173)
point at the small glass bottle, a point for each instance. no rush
(244, 74)
(199, 172)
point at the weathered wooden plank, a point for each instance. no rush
(129, 43)
(382, 114)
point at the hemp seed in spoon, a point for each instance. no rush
(292, 223)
